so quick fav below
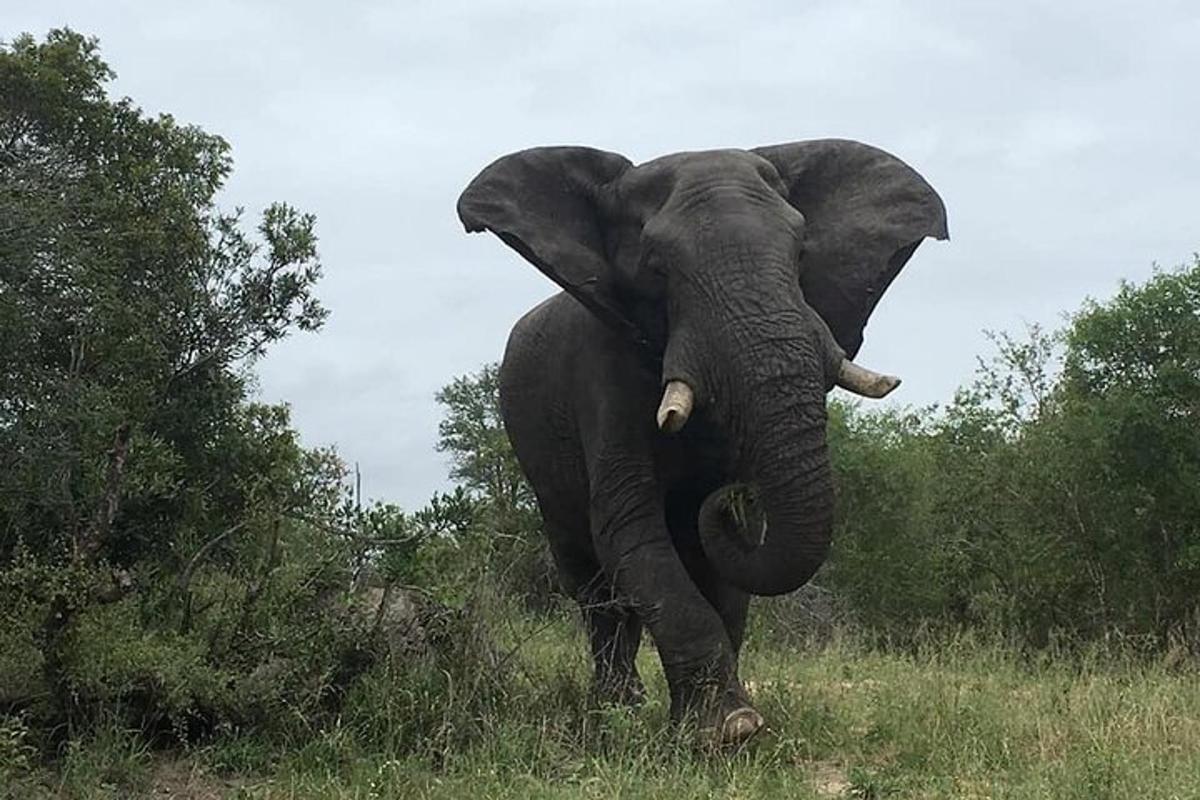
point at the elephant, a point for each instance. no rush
(668, 406)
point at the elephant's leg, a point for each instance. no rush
(731, 603)
(614, 629)
(636, 550)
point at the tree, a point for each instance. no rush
(1144, 340)
(1048, 502)
(482, 458)
(1133, 370)
(506, 543)
(130, 306)
(131, 455)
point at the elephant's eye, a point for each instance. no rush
(653, 273)
(654, 264)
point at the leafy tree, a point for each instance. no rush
(1145, 340)
(129, 305)
(1133, 371)
(482, 459)
(162, 537)
(1057, 495)
(506, 542)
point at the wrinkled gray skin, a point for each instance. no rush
(747, 274)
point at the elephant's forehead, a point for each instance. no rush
(653, 181)
(698, 164)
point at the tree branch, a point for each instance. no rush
(90, 541)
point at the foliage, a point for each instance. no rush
(506, 544)
(1057, 495)
(166, 555)
(174, 565)
(127, 300)
(482, 460)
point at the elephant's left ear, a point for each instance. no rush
(545, 204)
(866, 212)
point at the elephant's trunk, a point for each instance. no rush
(771, 537)
(760, 361)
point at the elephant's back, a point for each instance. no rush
(536, 338)
(538, 376)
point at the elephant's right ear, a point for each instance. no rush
(543, 203)
(866, 213)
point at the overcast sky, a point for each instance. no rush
(1063, 137)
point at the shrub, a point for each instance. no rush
(1056, 495)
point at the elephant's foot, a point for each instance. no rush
(723, 710)
(735, 722)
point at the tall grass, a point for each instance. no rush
(958, 718)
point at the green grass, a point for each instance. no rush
(956, 719)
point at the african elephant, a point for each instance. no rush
(711, 300)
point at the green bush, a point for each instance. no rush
(1058, 495)
(171, 558)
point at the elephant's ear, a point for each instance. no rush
(866, 212)
(543, 203)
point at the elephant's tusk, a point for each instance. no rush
(676, 406)
(863, 381)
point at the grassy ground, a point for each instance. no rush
(956, 720)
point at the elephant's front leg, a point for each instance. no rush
(635, 549)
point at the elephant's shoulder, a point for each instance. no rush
(563, 320)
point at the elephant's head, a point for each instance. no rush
(749, 275)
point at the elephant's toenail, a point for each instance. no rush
(740, 725)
